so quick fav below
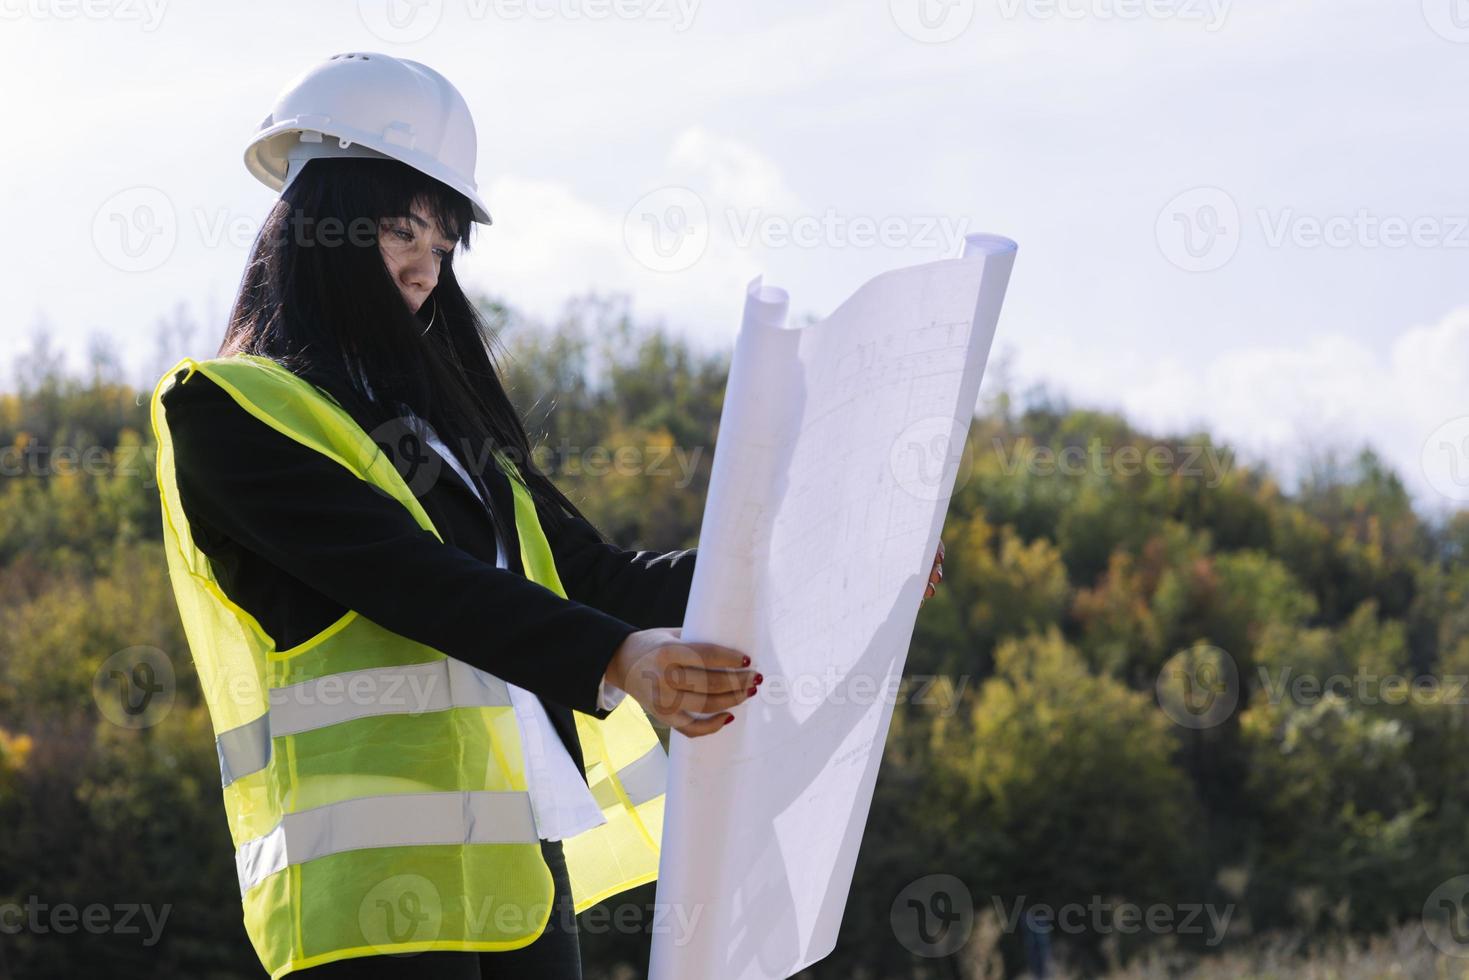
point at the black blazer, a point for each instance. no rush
(296, 540)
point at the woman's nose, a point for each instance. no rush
(421, 274)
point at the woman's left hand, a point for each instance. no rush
(935, 575)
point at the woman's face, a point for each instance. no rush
(413, 248)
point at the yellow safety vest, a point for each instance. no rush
(375, 788)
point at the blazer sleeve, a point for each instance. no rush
(319, 523)
(645, 588)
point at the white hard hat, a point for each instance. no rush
(365, 104)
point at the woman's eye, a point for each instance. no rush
(406, 235)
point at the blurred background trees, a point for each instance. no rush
(1039, 770)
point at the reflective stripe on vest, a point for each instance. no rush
(335, 698)
(412, 689)
(398, 820)
(375, 789)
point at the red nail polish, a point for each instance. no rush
(751, 692)
(746, 662)
(728, 719)
(759, 678)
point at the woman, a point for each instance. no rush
(352, 514)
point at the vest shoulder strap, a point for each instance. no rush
(309, 415)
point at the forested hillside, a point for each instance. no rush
(1152, 676)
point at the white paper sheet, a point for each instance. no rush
(837, 452)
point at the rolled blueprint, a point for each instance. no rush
(838, 448)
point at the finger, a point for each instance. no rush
(674, 668)
(671, 700)
(697, 680)
(703, 703)
(694, 727)
(710, 655)
(710, 683)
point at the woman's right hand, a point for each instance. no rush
(671, 678)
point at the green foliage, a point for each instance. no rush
(1338, 814)
(997, 587)
(1082, 556)
(624, 420)
(1060, 782)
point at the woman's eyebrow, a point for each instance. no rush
(421, 223)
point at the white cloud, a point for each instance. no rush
(1279, 402)
(734, 173)
(546, 244)
(549, 243)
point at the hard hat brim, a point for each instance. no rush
(266, 158)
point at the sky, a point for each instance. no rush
(1251, 217)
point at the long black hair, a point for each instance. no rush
(317, 297)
